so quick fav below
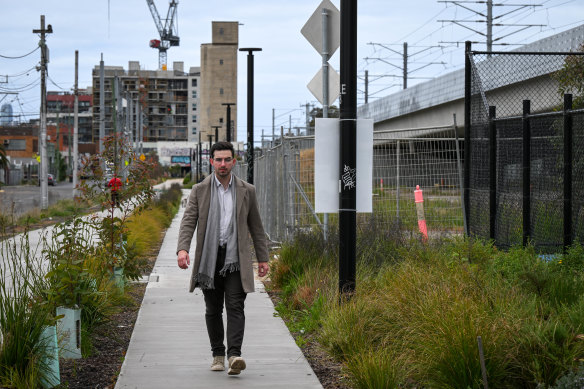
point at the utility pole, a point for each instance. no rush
(101, 104)
(76, 126)
(43, 114)
(273, 123)
(490, 20)
(228, 124)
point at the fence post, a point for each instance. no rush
(492, 172)
(567, 171)
(397, 184)
(460, 174)
(526, 172)
(467, 118)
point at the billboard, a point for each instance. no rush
(180, 160)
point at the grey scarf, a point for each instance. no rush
(205, 277)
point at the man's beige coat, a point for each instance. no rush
(248, 223)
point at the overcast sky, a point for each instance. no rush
(122, 29)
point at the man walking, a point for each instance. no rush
(224, 211)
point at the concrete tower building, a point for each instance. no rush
(219, 80)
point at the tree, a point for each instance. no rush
(571, 78)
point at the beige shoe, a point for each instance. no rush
(236, 365)
(218, 363)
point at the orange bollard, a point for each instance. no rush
(419, 198)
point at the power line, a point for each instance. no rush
(20, 56)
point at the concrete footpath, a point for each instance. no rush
(170, 347)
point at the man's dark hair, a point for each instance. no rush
(222, 146)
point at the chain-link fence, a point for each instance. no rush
(402, 159)
(525, 147)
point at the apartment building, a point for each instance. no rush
(168, 100)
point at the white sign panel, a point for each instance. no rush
(326, 162)
(312, 30)
(315, 85)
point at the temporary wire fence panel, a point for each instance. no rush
(521, 90)
(284, 180)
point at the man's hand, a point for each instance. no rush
(263, 268)
(183, 259)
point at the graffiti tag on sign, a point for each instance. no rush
(349, 179)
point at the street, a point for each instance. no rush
(27, 197)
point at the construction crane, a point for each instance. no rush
(168, 32)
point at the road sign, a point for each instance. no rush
(315, 85)
(312, 30)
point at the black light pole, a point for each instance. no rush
(200, 159)
(348, 152)
(216, 128)
(228, 126)
(250, 51)
(210, 136)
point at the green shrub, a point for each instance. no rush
(23, 316)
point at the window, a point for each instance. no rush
(220, 62)
(194, 94)
(15, 144)
(220, 120)
(194, 118)
(194, 82)
(220, 91)
(221, 30)
(194, 131)
(194, 106)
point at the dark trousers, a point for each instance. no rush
(228, 289)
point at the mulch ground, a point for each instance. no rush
(100, 370)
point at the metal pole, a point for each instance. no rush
(460, 174)
(366, 86)
(348, 140)
(467, 128)
(200, 164)
(397, 179)
(44, 171)
(325, 91)
(273, 124)
(568, 132)
(492, 173)
(228, 136)
(76, 126)
(101, 104)
(489, 26)
(405, 65)
(210, 136)
(526, 173)
(250, 112)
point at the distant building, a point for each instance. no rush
(219, 80)
(60, 113)
(6, 116)
(168, 98)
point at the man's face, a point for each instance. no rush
(222, 162)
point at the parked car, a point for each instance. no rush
(51, 180)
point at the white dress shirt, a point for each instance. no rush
(226, 204)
